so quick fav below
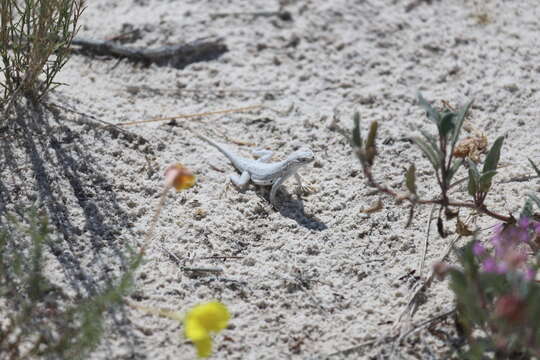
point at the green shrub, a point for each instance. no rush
(35, 37)
(38, 318)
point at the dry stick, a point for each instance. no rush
(425, 245)
(431, 321)
(153, 222)
(415, 328)
(191, 115)
(186, 268)
(352, 349)
(175, 55)
(412, 304)
(519, 179)
(105, 124)
(283, 15)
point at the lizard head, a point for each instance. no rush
(301, 157)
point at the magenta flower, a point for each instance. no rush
(510, 242)
(478, 249)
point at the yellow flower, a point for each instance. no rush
(179, 177)
(203, 319)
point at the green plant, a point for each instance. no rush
(497, 295)
(35, 37)
(38, 318)
(442, 152)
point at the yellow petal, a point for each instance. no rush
(213, 316)
(204, 347)
(193, 329)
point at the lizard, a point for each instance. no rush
(263, 172)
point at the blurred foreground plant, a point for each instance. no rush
(35, 36)
(38, 319)
(497, 294)
(204, 319)
(199, 323)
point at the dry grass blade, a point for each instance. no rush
(187, 116)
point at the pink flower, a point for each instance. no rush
(478, 249)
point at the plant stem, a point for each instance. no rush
(443, 202)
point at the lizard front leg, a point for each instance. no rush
(240, 181)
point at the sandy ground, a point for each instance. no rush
(318, 276)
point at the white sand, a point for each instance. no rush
(318, 276)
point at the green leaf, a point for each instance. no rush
(485, 181)
(458, 122)
(410, 179)
(535, 199)
(372, 135)
(493, 156)
(434, 143)
(527, 210)
(447, 123)
(431, 112)
(456, 164)
(474, 178)
(536, 169)
(370, 149)
(356, 134)
(431, 139)
(428, 152)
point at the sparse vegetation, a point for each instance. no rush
(497, 295)
(39, 318)
(35, 37)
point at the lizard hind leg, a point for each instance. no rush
(240, 181)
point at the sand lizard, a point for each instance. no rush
(262, 172)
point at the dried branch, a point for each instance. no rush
(177, 56)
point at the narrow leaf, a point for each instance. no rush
(440, 228)
(371, 150)
(356, 134)
(493, 156)
(433, 142)
(456, 164)
(370, 141)
(527, 210)
(458, 122)
(535, 198)
(474, 178)
(431, 139)
(447, 123)
(484, 183)
(431, 112)
(410, 179)
(428, 152)
(536, 169)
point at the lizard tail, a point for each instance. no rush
(222, 149)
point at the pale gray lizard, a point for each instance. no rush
(261, 172)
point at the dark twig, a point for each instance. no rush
(177, 56)
(414, 4)
(519, 179)
(283, 15)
